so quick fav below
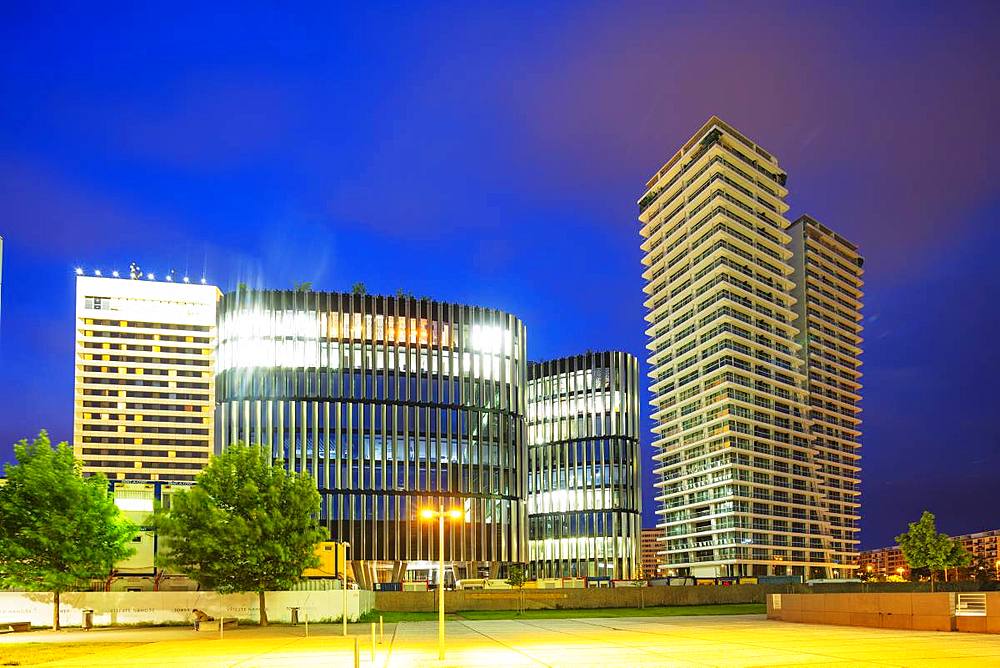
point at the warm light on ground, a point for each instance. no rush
(685, 641)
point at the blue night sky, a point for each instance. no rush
(493, 155)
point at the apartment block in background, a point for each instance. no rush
(885, 561)
(738, 483)
(649, 559)
(144, 392)
(828, 295)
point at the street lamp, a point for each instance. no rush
(343, 573)
(428, 514)
(996, 567)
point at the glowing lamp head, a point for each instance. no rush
(79, 271)
(203, 281)
(456, 513)
(115, 273)
(97, 272)
(187, 280)
(427, 513)
(151, 276)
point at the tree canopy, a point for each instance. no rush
(247, 525)
(924, 547)
(58, 530)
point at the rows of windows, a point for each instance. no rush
(145, 453)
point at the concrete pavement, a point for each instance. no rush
(675, 641)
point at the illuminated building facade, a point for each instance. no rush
(584, 495)
(984, 546)
(144, 392)
(649, 558)
(739, 485)
(828, 295)
(391, 404)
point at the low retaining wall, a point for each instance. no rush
(112, 608)
(620, 597)
(548, 599)
(916, 611)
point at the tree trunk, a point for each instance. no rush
(932, 581)
(263, 609)
(55, 610)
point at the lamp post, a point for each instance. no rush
(996, 567)
(343, 573)
(440, 514)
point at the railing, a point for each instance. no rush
(970, 605)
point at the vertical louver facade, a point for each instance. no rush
(391, 404)
(584, 493)
(828, 270)
(738, 484)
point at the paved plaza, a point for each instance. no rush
(746, 640)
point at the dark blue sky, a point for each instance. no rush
(493, 155)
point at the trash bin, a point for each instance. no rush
(88, 619)
(295, 616)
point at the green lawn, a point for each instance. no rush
(660, 611)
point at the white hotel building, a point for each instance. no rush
(144, 391)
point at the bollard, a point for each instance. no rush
(222, 623)
(373, 642)
(357, 653)
(381, 631)
(307, 623)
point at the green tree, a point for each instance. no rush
(247, 525)
(359, 289)
(305, 286)
(58, 530)
(982, 569)
(924, 547)
(957, 557)
(516, 577)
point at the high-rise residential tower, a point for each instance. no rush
(739, 485)
(828, 295)
(584, 495)
(144, 393)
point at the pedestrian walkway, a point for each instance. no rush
(576, 643)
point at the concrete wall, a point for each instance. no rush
(547, 599)
(624, 597)
(916, 611)
(111, 608)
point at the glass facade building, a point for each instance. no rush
(391, 404)
(584, 495)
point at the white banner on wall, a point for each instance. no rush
(166, 607)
